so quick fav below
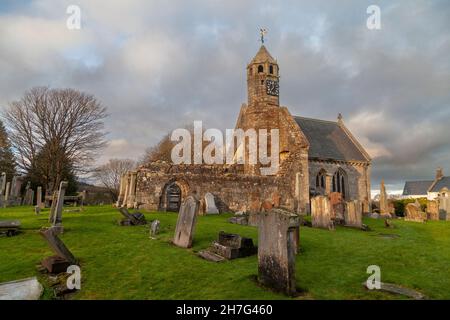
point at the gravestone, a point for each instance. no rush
(210, 204)
(414, 213)
(321, 213)
(24, 289)
(187, 217)
(433, 210)
(7, 191)
(384, 205)
(229, 246)
(57, 220)
(53, 206)
(444, 208)
(39, 202)
(62, 259)
(337, 207)
(353, 214)
(37, 210)
(154, 228)
(276, 250)
(131, 219)
(3, 183)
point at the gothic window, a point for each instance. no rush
(260, 69)
(340, 182)
(320, 179)
(271, 69)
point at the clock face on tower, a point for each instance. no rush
(272, 87)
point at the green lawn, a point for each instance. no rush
(123, 263)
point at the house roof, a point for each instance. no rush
(444, 182)
(416, 187)
(330, 140)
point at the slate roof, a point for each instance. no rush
(417, 187)
(329, 141)
(440, 184)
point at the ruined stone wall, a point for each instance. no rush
(228, 184)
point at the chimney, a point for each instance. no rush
(439, 173)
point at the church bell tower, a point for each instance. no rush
(263, 79)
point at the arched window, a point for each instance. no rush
(320, 179)
(271, 69)
(340, 182)
(260, 69)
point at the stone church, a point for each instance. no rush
(316, 157)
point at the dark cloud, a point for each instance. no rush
(158, 65)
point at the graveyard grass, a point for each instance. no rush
(124, 263)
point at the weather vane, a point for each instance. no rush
(263, 32)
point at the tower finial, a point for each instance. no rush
(263, 32)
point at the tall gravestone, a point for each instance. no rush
(7, 191)
(321, 213)
(353, 214)
(187, 217)
(444, 207)
(3, 183)
(39, 202)
(433, 209)
(384, 205)
(57, 220)
(53, 206)
(62, 259)
(210, 204)
(277, 231)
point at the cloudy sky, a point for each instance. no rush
(158, 65)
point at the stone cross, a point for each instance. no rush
(277, 230)
(210, 204)
(263, 32)
(57, 221)
(187, 217)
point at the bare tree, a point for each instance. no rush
(55, 130)
(109, 174)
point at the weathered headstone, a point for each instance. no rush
(63, 258)
(24, 289)
(384, 205)
(337, 207)
(353, 214)
(57, 221)
(3, 183)
(210, 204)
(53, 206)
(131, 219)
(154, 228)
(276, 250)
(433, 210)
(414, 213)
(187, 217)
(39, 202)
(321, 213)
(7, 191)
(229, 246)
(444, 207)
(37, 210)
